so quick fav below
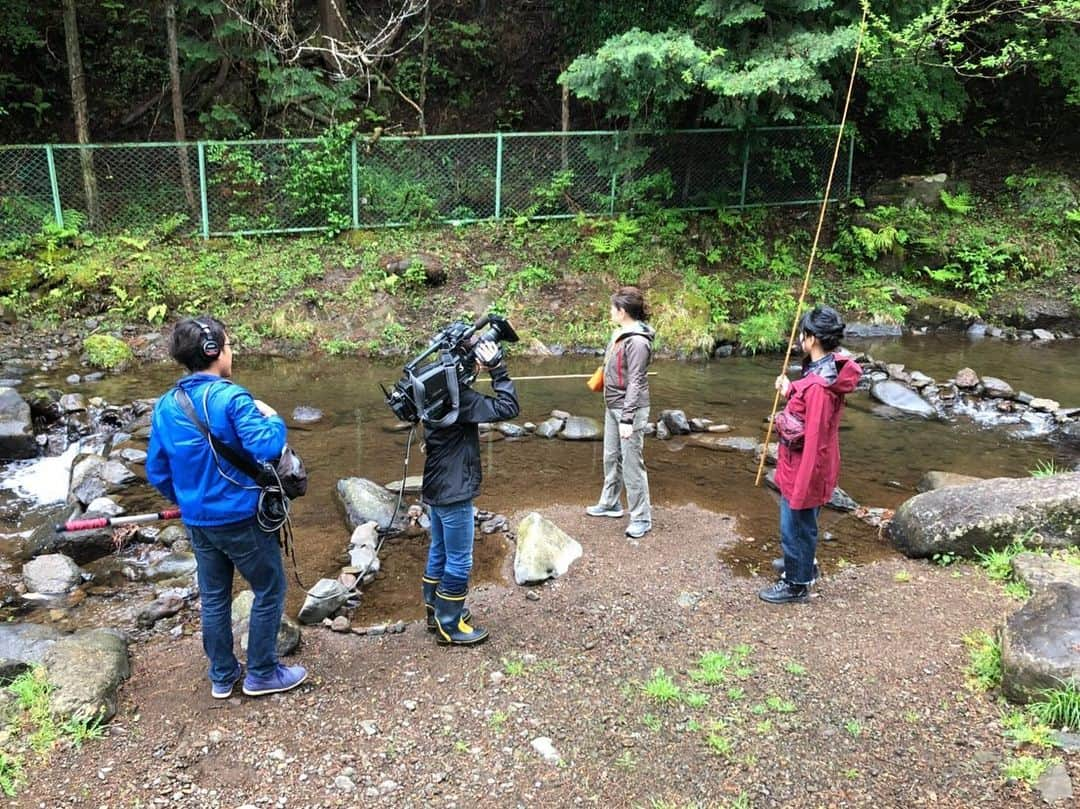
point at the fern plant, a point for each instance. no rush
(959, 203)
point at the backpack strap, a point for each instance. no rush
(245, 465)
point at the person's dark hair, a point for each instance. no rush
(824, 323)
(189, 337)
(631, 301)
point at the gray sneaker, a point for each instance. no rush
(636, 530)
(600, 510)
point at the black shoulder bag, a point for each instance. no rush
(287, 475)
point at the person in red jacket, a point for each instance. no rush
(808, 464)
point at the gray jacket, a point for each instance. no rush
(626, 363)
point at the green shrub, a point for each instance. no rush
(1059, 707)
(106, 351)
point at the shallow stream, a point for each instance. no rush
(883, 458)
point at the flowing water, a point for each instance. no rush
(883, 458)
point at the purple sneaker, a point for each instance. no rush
(224, 690)
(284, 678)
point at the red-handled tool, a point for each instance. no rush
(105, 522)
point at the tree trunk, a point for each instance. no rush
(332, 28)
(82, 118)
(178, 105)
(422, 98)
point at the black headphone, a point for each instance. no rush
(209, 346)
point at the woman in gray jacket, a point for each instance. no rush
(626, 396)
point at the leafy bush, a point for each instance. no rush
(106, 351)
(1059, 707)
(319, 179)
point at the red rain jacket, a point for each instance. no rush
(806, 477)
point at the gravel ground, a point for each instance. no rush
(856, 699)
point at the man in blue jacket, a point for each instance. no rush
(218, 504)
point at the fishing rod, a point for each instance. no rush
(105, 522)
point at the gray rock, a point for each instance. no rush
(919, 380)
(45, 404)
(700, 425)
(581, 428)
(966, 378)
(989, 514)
(176, 564)
(73, 403)
(976, 330)
(85, 670)
(325, 598)
(1045, 405)
(52, 574)
(935, 479)
(547, 751)
(543, 550)
(364, 500)
(901, 398)
(22, 646)
(997, 388)
(549, 428)
(106, 507)
(675, 421)
(662, 431)
(858, 330)
(1055, 786)
(163, 606)
(288, 636)
(413, 485)
(1038, 571)
(171, 534)
(131, 455)
(1040, 646)
(724, 443)
(511, 430)
(1042, 334)
(16, 428)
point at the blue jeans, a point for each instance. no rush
(255, 553)
(450, 554)
(798, 538)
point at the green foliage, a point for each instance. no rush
(998, 562)
(106, 351)
(1046, 469)
(1025, 769)
(661, 687)
(958, 203)
(1059, 707)
(620, 233)
(319, 178)
(766, 331)
(984, 660)
(1022, 729)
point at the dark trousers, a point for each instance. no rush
(798, 538)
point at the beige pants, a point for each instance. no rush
(624, 465)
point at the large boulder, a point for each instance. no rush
(364, 500)
(581, 428)
(902, 398)
(1040, 647)
(85, 670)
(52, 574)
(1033, 310)
(22, 646)
(1039, 571)
(936, 479)
(544, 550)
(93, 476)
(941, 313)
(989, 514)
(16, 428)
(288, 636)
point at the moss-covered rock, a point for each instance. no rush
(941, 313)
(682, 319)
(106, 351)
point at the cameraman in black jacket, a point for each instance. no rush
(451, 481)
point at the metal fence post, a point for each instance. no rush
(498, 173)
(355, 191)
(614, 173)
(58, 211)
(850, 160)
(745, 171)
(202, 192)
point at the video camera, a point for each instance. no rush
(430, 389)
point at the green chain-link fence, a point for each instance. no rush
(222, 188)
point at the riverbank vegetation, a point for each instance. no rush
(715, 278)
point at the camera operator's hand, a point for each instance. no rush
(486, 353)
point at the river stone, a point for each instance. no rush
(73, 403)
(511, 430)
(177, 564)
(105, 507)
(322, 600)
(365, 500)
(839, 501)
(1038, 571)
(935, 479)
(1054, 785)
(306, 415)
(52, 574)
(171, 534)
(23, 645)
(675, 421)
(1042, 334)
(941, 313)
(901, 398)
(164, 606)
(413, 485)
(85, 670)
(1046, 405)
(966, 378)
(724, 443)
(549, 428)
(662, 431)
(1040, 647)
(997, 388)
(989, 514)
(544, 550)
(16, 429)
(131, 455)
(288, 636)
(45, 404)
(919, 380)
(581, 428)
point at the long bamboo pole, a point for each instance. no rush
(817, 237)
